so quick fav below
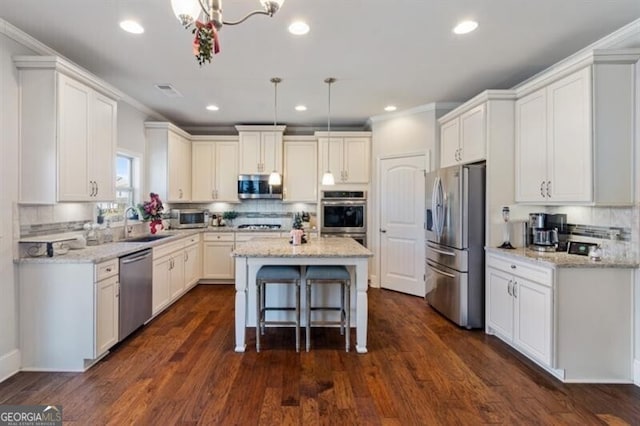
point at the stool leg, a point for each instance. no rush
(308, 329)
(298, 316)
(342, 311)
(263, 305)
(258, 316)
(348, 321)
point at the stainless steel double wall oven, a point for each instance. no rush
(344, 214)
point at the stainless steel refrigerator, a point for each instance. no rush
(455, 221)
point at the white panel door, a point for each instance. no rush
(218, 263)
(250, 156)
(402, 237)
(160, 290)
(472, 135)
(192, 265)
(107, 308)
(202, 171)
(569, 153)
(532, 326)
(499, 303)
(531, 147)
(356, 160)
(102, 147)
(449, 143)
(300, 171)
(226, 171)
(271, 152)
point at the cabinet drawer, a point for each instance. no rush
(107, 269)
(168, 248)
(526, 270)
(218, 236)
(194, 239)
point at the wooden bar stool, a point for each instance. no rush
(322, 275)
(276, 274)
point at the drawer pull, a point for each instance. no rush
(513, 266)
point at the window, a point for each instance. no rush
(127, 188)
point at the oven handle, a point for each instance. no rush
(343, 203)
(439, 271)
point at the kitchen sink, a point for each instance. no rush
(145, 239)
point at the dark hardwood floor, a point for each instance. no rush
(420, 369)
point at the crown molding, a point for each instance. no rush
(342, 134)
(486, 96)
(165, 125)
(433, 106)
(265, 128)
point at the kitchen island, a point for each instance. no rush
(251, 256)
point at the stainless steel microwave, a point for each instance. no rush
(189, 218)
(257, 186)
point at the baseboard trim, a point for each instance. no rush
(636, 372)
(9, 364)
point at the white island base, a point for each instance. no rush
(250, 257)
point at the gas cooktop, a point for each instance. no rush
(258, 226)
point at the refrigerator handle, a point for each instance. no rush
(434, 206)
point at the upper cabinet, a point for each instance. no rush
(347, 155)
(574, 134)
(260, 149)
(168, 162)
(300, 170)
(68, 131)
(463, 138)
(214, 169)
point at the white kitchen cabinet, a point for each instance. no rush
(218, 263)
(68, 314)
(519, 309)
(260, 149)
(192, 264)
(214, 171)
(300, 178)
(176, 268)
(574, 134)
(160, 289)
(68, 133)
(557, 316)
(169, 162)
(350, 156)
(463, 138)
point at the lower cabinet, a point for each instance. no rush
(218, 263)
(176, 269)
(519, 309)
(574, 321)
(68, 314)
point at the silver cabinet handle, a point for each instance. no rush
(515, 289)
(97, 188)
(180, 193)
(186, 256)
(549, 189)
(513, 266)
(542, 189)
(510, 288)
(384, 231)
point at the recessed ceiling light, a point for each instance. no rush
(299, 28)
(465, 27)
(212, 108)
(301, 108)
(390, 108)
(132, 27)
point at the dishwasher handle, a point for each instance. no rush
(127, 260)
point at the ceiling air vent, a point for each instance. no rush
(168, 90)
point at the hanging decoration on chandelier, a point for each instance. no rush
(206, 42)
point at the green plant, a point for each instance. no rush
(229, 215)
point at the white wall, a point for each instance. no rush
(407, 132)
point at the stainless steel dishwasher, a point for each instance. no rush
(135, 291)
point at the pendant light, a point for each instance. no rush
(274, 177)
(327, 177)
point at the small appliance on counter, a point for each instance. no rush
(189, 218)
(548, 232)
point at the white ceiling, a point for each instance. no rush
(398, 52)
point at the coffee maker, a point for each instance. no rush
(547, 232)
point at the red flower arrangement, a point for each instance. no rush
(152, 211)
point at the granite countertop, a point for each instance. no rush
(563, 259)
(318, 247)
(108, 251)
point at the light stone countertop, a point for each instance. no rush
(108, 251)
(562, 259)
(316, 247)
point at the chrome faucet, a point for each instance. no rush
(128, 229)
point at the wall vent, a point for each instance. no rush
(168, 90)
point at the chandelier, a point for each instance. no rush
(206, 30)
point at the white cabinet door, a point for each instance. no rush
(300, 171)
(191, 265)
(161, 276)
(473, 135)
(102, 147)
(335, 151)
(356, 160)
(271, 152)
(107, 309)
(449, 143)
(226, 171)
(203, 171)
(179, 163)
(74, 99)
(533, 318)
(250, 153)
(218, 263)
(569, 139)
(176, 275)
(499, 303)
(531, 147)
